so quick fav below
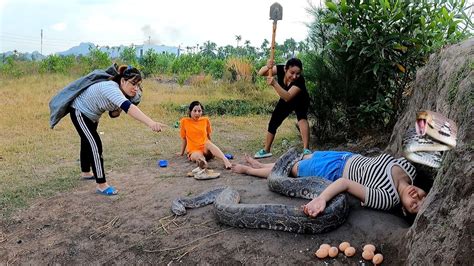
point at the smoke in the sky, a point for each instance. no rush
(151, 37)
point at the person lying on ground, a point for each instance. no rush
(380, 182)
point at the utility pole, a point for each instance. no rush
(149, 40)
(41, 52)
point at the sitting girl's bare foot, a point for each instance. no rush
(202, 163)
(239, 168)
(227, 164)
(254, 163)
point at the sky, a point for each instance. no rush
(66, 23)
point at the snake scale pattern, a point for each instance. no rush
(280, 217)
(433, 134)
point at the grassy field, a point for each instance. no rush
(36, 161)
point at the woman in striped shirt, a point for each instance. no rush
(114, 96)
(380, 182)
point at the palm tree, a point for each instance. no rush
(302, 46)
(264, 48)
(238, 38)
(208, 49)
(290, 47)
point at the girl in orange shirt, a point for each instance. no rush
(195, 132)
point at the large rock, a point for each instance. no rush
(442, 231)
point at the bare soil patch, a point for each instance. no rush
(137, 226)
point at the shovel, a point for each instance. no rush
(276, 13)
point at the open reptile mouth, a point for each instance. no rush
(420, 127)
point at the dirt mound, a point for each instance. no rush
(444, 85)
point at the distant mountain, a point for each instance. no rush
(82, 49)
(115, 51)
(35, 56)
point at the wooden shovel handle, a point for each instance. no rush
(272, 49)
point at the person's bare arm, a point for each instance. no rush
(285, 95)
(136, 113)
(318, 204)
(264, 70)
(183, 147)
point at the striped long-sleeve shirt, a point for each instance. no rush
(375, 174)
(99, 98)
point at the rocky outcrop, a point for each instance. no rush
(442, 231)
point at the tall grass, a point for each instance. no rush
(36, 161)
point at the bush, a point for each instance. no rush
(365, 54)
(95, 60)
(10, 68)
(235, 107)
(57, 64)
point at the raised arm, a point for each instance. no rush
(264, 70)
(318, 204)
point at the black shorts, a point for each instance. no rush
(283, 110)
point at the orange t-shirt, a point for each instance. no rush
(195, 132)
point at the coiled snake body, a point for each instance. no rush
(433, 133)
(273, 216)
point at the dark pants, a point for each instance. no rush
(91, 145)
(283, 110)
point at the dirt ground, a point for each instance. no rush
(137, 227)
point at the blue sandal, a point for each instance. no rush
(110, 191)
(262, 154)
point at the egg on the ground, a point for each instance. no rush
(324, 246)
(322, 253)
(367, 255)
(343, 246)
(378, 258)
(350, 251)
(333, 251)
(369, 247)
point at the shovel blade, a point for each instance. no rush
(276, 12)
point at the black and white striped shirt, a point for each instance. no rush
(99, 98)
(375, 174)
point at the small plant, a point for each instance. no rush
(95, 60)
(10, 68)
(239, 69)
(200, 80)
(57, 64)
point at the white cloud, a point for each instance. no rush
(61, 26)
(167, 22)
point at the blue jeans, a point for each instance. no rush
(326, 164)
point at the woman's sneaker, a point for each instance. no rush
(307, 152)
(262, 154)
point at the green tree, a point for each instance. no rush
(365, 53)
(238, 38)
(290, 47)
(264, 50)
(129, 55)
(56, 64)
(209, 49)
(96, 59)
